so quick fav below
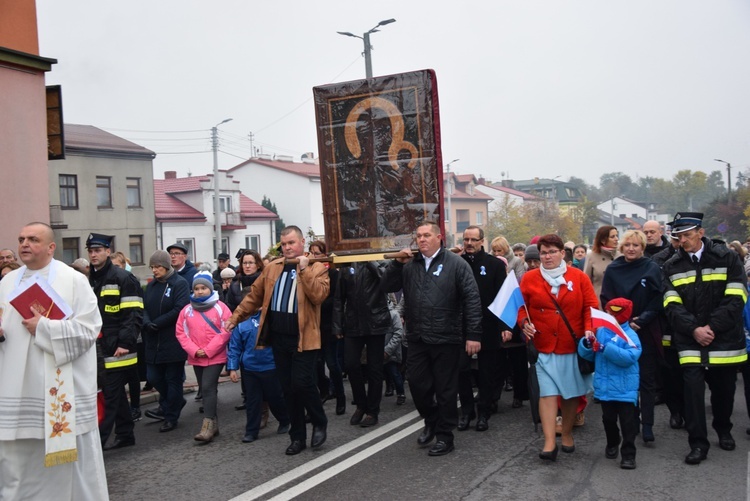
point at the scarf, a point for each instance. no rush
(555, 277)
(166, 277)
(609, 251)
(247, 280)
(204, 303)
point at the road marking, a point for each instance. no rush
(334, 470)
(309, 466)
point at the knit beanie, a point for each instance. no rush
(531, 252)
(161, 258)
(620, 308)
(227, 273)
(203, 278)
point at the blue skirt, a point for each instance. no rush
(559, 375)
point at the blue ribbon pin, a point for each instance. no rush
(482, 270)
(437, 273)
(294, 274)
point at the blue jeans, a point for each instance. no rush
(394, 375)
(167, 379)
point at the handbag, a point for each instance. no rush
(584, 366)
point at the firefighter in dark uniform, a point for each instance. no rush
(705, 293)
(121, 305)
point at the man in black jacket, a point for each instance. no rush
(443, 315)
(121, 306)
(655, 239)
(489, 273)
(705, 294)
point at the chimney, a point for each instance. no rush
(481, 181)
(170, 174)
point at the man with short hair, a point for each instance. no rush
(489, 273)
(705, 294)
(48, 371)
(7, 256)
(655, 239)
(178, 253)
(121, 306)
(443, 315)
(222, 263)
(289, 297)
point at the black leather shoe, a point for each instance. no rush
(357, 417)
(696, 456)
(549, 455)
(240, 407)
(319, 436)
(388, 392)
(283, 429)
(627, 464)
(295, 447)
(482, 424)
(647, 433)
(248, 438)
(676, 422)
(157, 414)
(168, 426)
(340, 406)
(441, 448)
(464, 422)
(120, 443)
(726, 442)
(611, 452)
(426, 436)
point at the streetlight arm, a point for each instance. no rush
(346, 33)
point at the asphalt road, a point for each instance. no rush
(386, 463)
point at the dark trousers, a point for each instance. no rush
(368, 400)
(330, 350)
(466, 385)
(296, 371)
(262, 387)
(722, 381)
(433, 381)
(393, 376)
(167, 379)
(116, 407)
(648, 365)
(674, 386)
(625, 412)
(490, 368)
(513, 360)
(746, 380)
(134, 386)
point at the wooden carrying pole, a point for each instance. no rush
(359, 258)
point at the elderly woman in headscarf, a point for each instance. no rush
(558, 302)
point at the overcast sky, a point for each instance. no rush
(527, 88)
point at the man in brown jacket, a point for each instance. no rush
(289, 298)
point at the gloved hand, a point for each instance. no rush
(586, 342)
(151, 327)
(597, 346)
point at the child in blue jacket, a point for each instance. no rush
(616, 380)
(259, 379)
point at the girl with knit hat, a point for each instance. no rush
(200, 330)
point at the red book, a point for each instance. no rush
(35, 297)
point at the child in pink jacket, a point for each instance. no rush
(200, 330)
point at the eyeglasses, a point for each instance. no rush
(548, 253)
(173, 254)
(472, 240)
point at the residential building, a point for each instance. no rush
(185, 214)
(24, 189)
(104, 185)
(293, 187)
(565, 194)
(464, 204)
(502, 196)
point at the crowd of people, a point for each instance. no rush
(676, 302)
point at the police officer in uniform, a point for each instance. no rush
(119, 295)
(705, 293)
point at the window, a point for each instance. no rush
(252, 242)
(68, 191)
(134, 193)
(225, 204)
(224, 246)
(104, 192)
(136, 249)
(189, 244)
(480, 217)
(462, 219)
(70, 249)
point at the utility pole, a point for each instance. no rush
(729, 179)
(368, 48)
(217, 206)
(251, 136)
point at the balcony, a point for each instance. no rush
(232, 221)
(56, 219)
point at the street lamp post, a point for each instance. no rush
(217, 206)
(449, 222)
(368, 48)
(729, 179)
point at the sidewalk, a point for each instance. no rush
(189, 386)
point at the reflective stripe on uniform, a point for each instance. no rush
(714, 274)
(714, 357)
(689, 357)
(123, 361)
(683, 278)
(131, 302)
(671, 297)
(110, 290)
(666, 340)
(736, 289)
